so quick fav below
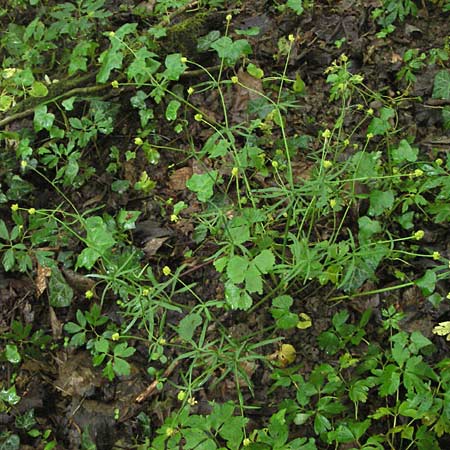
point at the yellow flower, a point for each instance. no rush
(448, 296)
(418, 235)
(192, 401)
(14, 207)
(115, 337)
(173, 218)
(418, 173)
(145, 292)
(436, 256)
(234, 79)
(181, 395)
(326, 134)
(190, 90)
(274, 164)
(115, 84)
(31, 211)
(291, 38)
(346, 142)
(170, 431)
(89, 294)
(246, 442)
(228, 17)
(234, 171)
(198, 117)
(439, 162)
(369, 136)
(138, 141)
(327, 164)
(344, 57)
(23, 164)
(333, 203)
(369, 112)
(184, 59)
(166, 271)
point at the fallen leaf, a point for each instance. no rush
(43, 273)
(177, 181)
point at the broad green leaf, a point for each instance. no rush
(172, 110)
(230, 51)
(264, 262)
(175, 67)
(381, 125)
(253, 280)
(380, 201)
(255, 71)
(72, 327)
(188, 325)
(4, 234)
(427, 282)
(296, 6)
(12, 354)
(404, 152)
(236, 268)
(6, 102)
(38, 89)
(236, 297)
(59, 292)
(367, 228)
(299, 84)
(441, 87)
(123, 350)
(121, 367)
(8, 259)
(110, 59)
(87, 258)
(43, 120)
(98, 235)
(101, 345)
(283, 302)
(203, 184)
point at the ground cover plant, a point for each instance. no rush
(224, 225)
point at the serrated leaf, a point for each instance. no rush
(38, 89)
(174, 66)
(172, 110)
(427, 283)
(43, 120)
(236, 297)
(8, 259)
(72, 327)
(404, 152)
(264, 262)
(202, 184)
(253, 280)
(236, 268)
(121, 367)
(380, 201)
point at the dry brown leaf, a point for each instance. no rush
(153, 245)
(55, 324)
(43, 273)
(177, 180)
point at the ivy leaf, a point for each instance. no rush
(60, 293)
(174, 66)
(380, 201)
(231, 51)
(110, 59)
(427, 283)
(38, 89)
(43, 120)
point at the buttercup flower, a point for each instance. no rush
(436, 256)
(327, 164)
(31, 211)
(138, 141)
(89, 294)
(115, 84)
(418, 235)
(14, 207)
(190, 90)
(198, 117)
(166, 271)
(234, 79)
(326, 134)
(115, 337)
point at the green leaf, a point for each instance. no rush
(123, 350)
(8, 259)
(38, 89)
(255, 71)
(60, 293)
(264, 262)
(381, 125)
(202, 184)
(98, 235)
(404, 152)
(175, 67)
(321, 424)
(172, 109)
(72, 327)
(87, 258)
(101, 345)
(231, 51)
(4, 234)
(237, 298)
(441, 87)
(380, 201)
(367, 228)
(12, 354)
(299, 84)
(236, 268)
(253, 280)
(283, 302)
(188, 325)
(110, 59)
(43, 120)
(120, 366)
(390, 380)
(296, 6)
(427, 283)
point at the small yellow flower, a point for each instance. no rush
(23, 164)
(192, 401)
(418, 173)
(138, 141)
(170, 431)
(89, 294)
(115, 337)
(115, 84)
(198, 117)
(439, 162)
(274, 164)
(369, 112)
(14, 207)
(162, 341)
(359, 107)
(333, 203)
(327, 164)
(369, 136)
(181, 396)
(291, 38)
(190, 90)
(174, 218)
(184, 60)
(166, 271)
(246, 442)
(448, 296)
(111, 34)
(228, 17)
(418, 235)
(145, 292)
(326, 134)
(436, 256)
(234, 171)
(344, 57)
(31, 211)
(234, 79)
(346, 142)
